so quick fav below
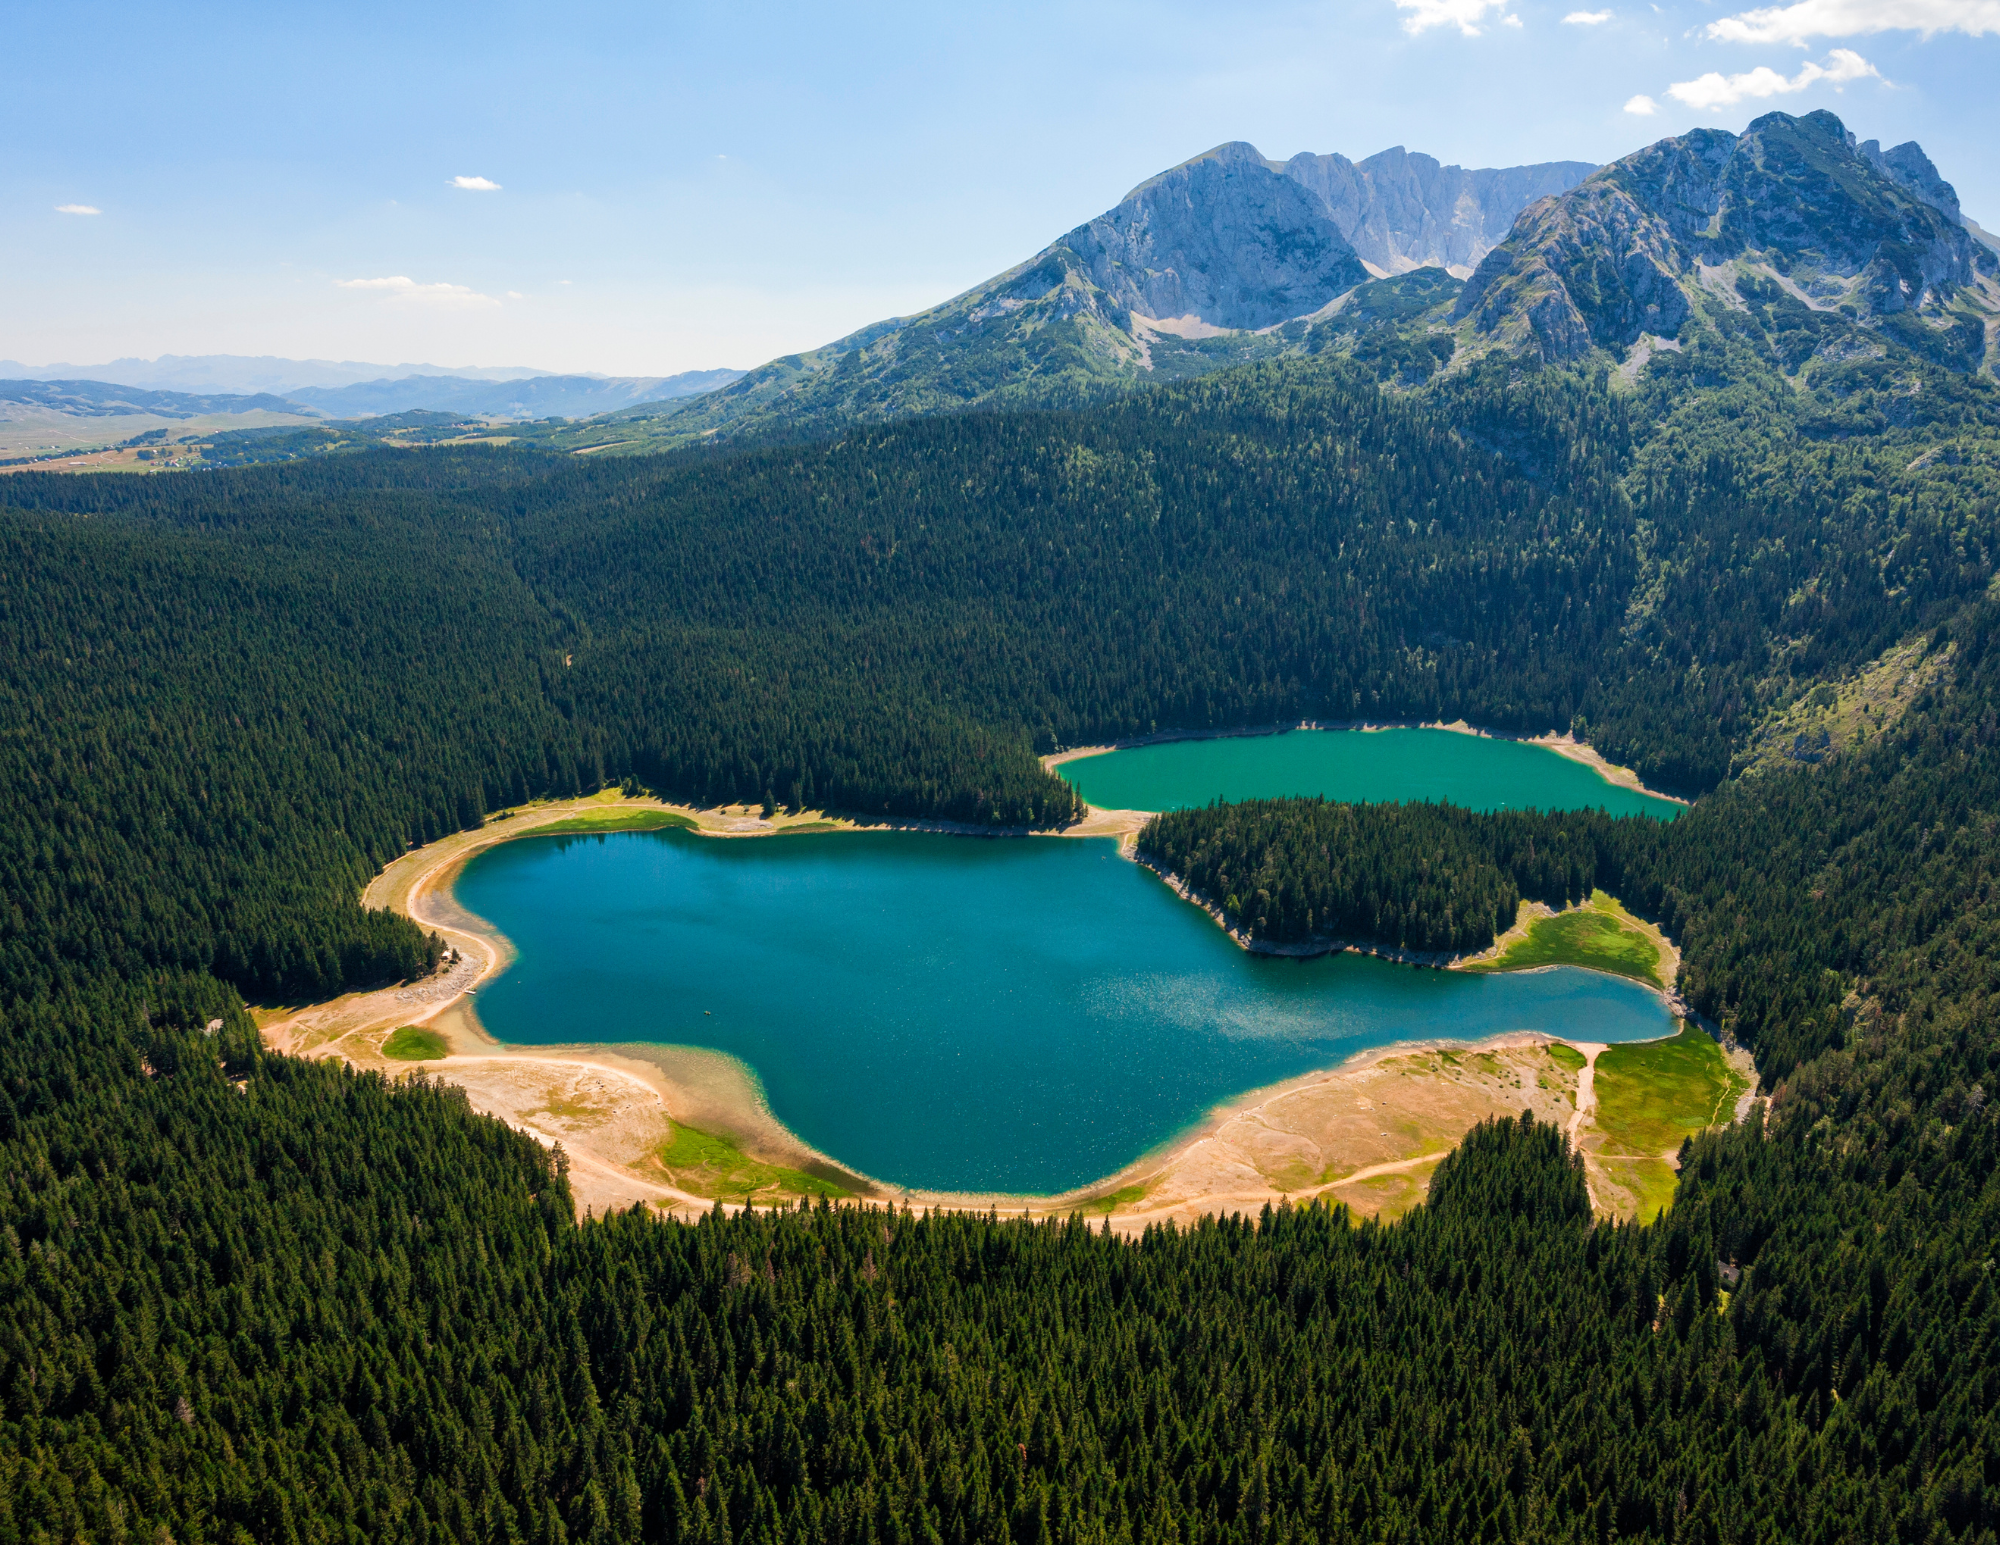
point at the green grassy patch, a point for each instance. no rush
(616, 821)
(1651, 1182)
(413, 1043)
(1652, 1096)
(1111, 1201)
(709, 1164)
(1567, 1057)
(1596, 936)
(810, 826)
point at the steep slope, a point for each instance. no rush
(1220, 241)
(1217, 261)
(1403, 210)
(1794, 207)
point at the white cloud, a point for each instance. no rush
(1586, 18)
(1512, 21)
(78, 209)
(453, 297)
(476, 184)
(1855, 18)
(515, 295)
(1642, 106)
(1462, 14)
(1714, 90)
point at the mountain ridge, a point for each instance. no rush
(1792, 207)
(1216, 261)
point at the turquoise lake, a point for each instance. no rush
(1358, 766)
(1016, 1015)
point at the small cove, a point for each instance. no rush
(953, 1014)
(1474, 771)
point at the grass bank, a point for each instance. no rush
(1600, 935)
(617, 818)
(413, 1043)
(710, 1164)
(1652, 1097)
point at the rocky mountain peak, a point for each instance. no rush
(1791, 201)
(1221, 239)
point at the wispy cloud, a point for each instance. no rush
(1716, 90)
(457, 297)
(1586, 18)
(78, 209)
(476, 184)
(1856, 18)
(1462, 14)
(1642, 106)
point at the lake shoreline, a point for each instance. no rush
(708, 1090)
(732, 1103)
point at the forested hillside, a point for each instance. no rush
(245, 1297)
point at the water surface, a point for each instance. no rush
(1358, 766)
(958, 1014)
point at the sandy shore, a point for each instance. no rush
(1366, 1133)
(1563, 745)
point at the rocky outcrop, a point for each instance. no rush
(1404, 210)
(1401, 209)
(1222, 239)
(1841, 226)
(1913, 171)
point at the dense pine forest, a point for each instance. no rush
(244, 1297)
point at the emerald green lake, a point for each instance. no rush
(1017, 1015)
(1359, 766)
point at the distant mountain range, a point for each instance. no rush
(546, 396)
(247, 375)
(104, 399)
(566, 397)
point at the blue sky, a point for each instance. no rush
(681, 186)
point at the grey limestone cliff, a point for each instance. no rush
(1401, 209)
(1405, 210)
(1220, 239)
